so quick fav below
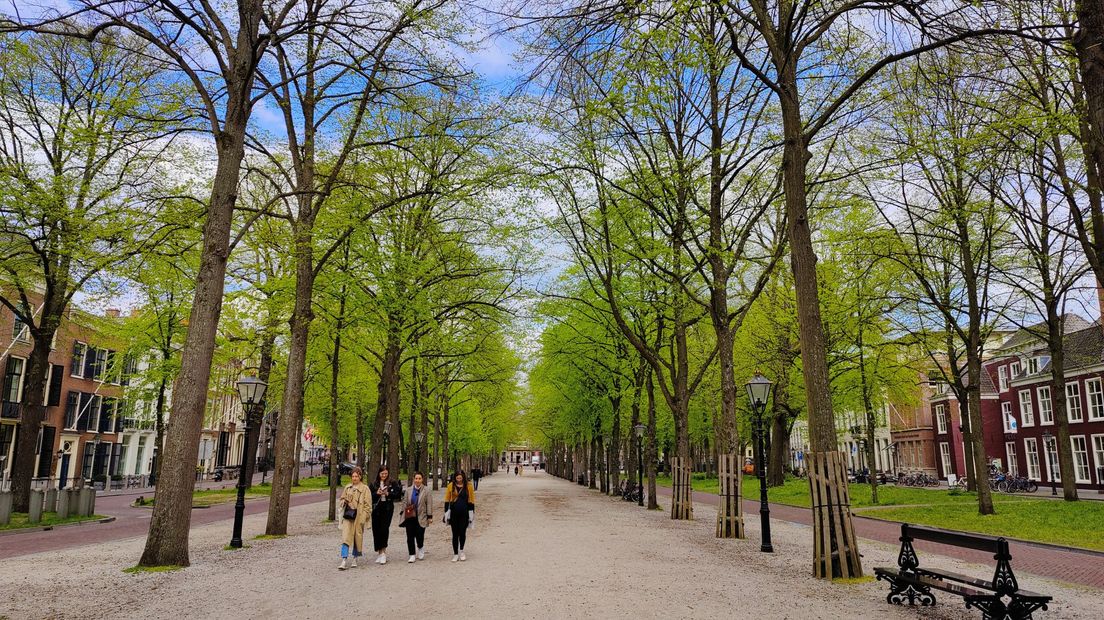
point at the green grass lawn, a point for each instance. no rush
(19, 520)
(210, 497)
(1078, 524)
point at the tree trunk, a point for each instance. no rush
(167, 542)
(1089, 43)
(776, 460)
(287, 435)
(650, 446)
(264, 373)
(360, 435)
(30, 422)
(1058, 401)
(335, 373)
(814, 363)
(614, 458)
(389, 375)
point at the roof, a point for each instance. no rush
(1029, 337)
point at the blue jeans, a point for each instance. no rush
(345, 551)
(475, 484)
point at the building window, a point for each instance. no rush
(1015, 369)
(1096, 399)
(1080, 459)
(1027, 415)
(1073, 402)
(945, 455)
(941, 419)
(76, 366)
(1050, 446)
(72, 410)
(1046, 410)
(1002, 377)
(1098, 454)
(1009, 421)
(20, 330)
(1031, 448)
(13, 380)
(94, 411)
(1013, 466)
(1032, 365)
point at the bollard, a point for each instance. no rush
(63, 504)
(84, 501)
(34, 515)
(5, 507)
(92, 503)
(51, 500)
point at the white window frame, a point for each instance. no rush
(95, 407)
(1031, 452)
(1016, 369)
(1097, 444)
(1013, 466)
(1094, 390)
(941, 418)
(1027, 414)
(945, 458)
(1050, 450)
(1080, 459)
(1074, 411)
(1046, 406)
(1032, 365)
(1002, 378)
(84, 356)
(22, 377)
(1006, 414)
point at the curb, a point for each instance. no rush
(46, 528)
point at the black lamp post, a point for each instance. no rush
(264, 462)
(386, 441)
(1051, 458)
(251, 391)
(61, 470)
(418, 437)
(639, 429)
(758, 390)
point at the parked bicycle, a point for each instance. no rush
(1017, 484)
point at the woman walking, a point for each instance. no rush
(355, 507)
(459, 512)
(417, 513)
(384, 491)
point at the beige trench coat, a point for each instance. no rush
(354, 496)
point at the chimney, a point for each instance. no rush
(113, 313)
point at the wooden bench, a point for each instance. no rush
(997, 598)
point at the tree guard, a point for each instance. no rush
(730, 513)
(835, 548)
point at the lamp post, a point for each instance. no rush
(264, 463)
(418, 437)
(61, 471)
(1051, 458)
(3, 472)
(639, 429)
(758, 390)
(386, 442)
(251, 391)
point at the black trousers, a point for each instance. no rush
(459, 533)
(381, 524)
(415, 537)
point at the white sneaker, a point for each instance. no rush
(342, 565)
(383, 559)
(421, 553)
(353, 565)
(379, 559)
(455, 557)
(411, 560)
(462, 558)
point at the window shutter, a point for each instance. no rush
(53, 399)
(46, 452)
(89, 363)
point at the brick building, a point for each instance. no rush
(84, 403)
(1018, 419)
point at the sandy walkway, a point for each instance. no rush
(543, 548)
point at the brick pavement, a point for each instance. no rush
(1063, 564)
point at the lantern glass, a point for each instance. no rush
(419, 436)
(251, 391)
(639, 429)
(387, 428)
(758, 389)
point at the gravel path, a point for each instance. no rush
(543, 548)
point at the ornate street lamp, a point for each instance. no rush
(251, 392)
(639, 430)
(61, 471)
(1051, 459)
(418, 437)
(758, 390)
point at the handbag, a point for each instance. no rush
(410, 512)
(350, 514)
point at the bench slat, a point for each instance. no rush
(978, 542)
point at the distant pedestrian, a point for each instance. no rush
(477, 473)
(417, 513)
(516, 470)
(355, 507)
(385, 490)
(459, 512)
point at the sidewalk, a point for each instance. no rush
(1068, 565)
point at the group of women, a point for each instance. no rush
(375, 502)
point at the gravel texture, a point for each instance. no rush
(542, 548)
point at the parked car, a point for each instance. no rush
(343, 469)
